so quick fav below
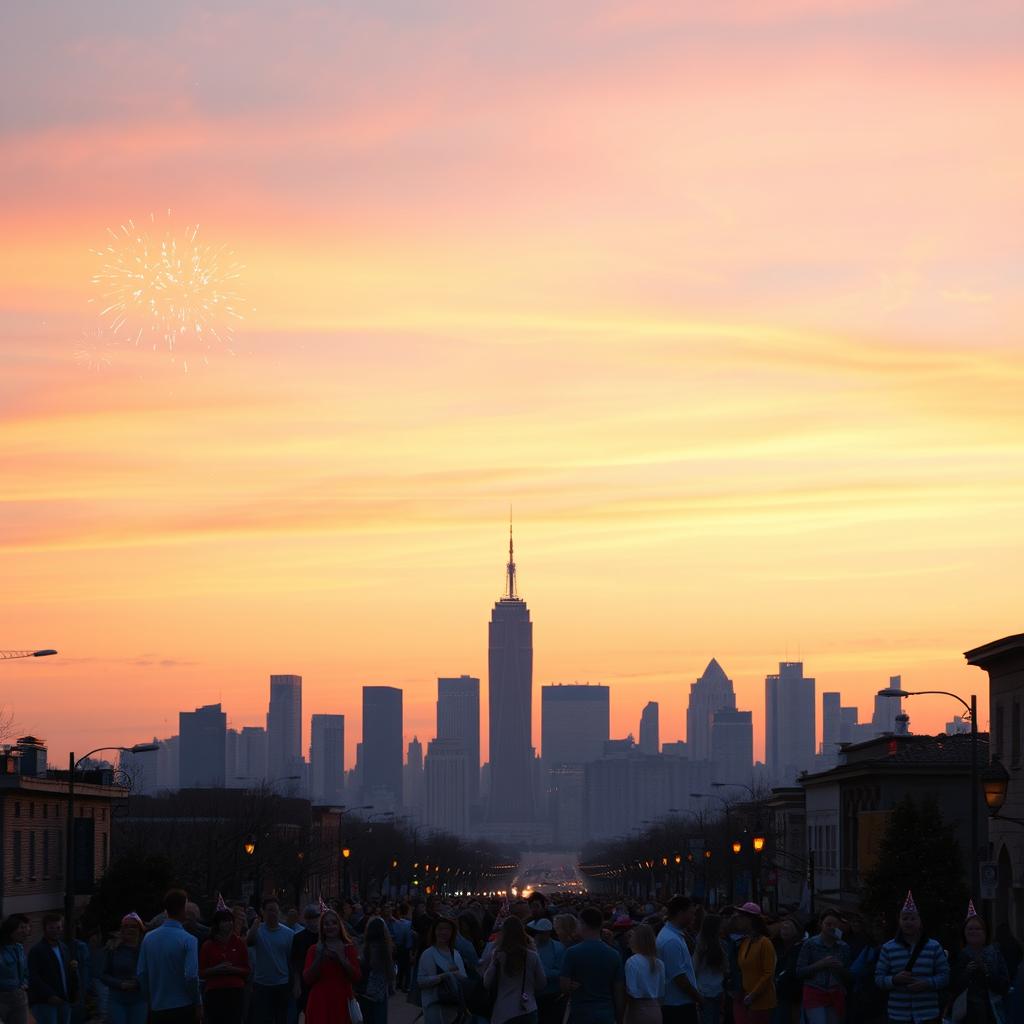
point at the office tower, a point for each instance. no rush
(567, 795)
(831, 726)
(327, 759)
(732, 747)
(412, 776)
(650, 742)
(142, 770)
(510, 690)
(887, 708)
(712, 692)
(382, 747)
(446, 798)
(959, 725)
(789, 723)
(574, 723)
(458, 718)
(284, 726)
(167, 765)
(203, 743)
(251, 756)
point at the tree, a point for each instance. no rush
(919, 851)
(130, 883)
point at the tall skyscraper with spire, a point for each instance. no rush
(712, 692)
(510, 692)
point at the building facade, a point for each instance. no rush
(327, 759)
(202, 735)
(510, 692)
(284, 726)
(458, 718)
(712, 692)
(382, 747)
(575, 723)
(732, 747)
(790, 723)
(650, 733)
(446, 794)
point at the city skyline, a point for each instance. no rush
(722, 298)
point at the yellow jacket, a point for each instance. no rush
(756, 958)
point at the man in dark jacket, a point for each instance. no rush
(52, 975)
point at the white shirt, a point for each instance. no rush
(641, 981)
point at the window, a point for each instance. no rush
(60, 853)
(46, 854)
(106, 844)
(31, 808)
(16, 841)
(17, 808)
(998, 729)
(103, 814)
(1015, 734)
(31, 855)
(46, 810)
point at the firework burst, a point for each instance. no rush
(95, 351)
(162, 287)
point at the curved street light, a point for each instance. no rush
(11, 655)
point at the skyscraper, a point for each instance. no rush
(446, 800)
(458, 718)
(412, 777)
(327, 759)
(732, 746)
(382, 747)
(251, 758)
(711, 693)
(203, 747)
(790, 723)
(284, 726)
(510, 691)
(574, 724)
(650, 739)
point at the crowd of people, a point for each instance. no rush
(530, 961)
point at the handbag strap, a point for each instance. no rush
(915, 953)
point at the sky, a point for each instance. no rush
(723, 300)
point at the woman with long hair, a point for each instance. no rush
(645, 978)
(14, 933)
(980, 978)
(467, 942)
(912, 968)
(224, 969)
(516, 974)
(378, 968)
(788, 944)
(711, 968)
(332, 969)
(755, 958)
(440, 974)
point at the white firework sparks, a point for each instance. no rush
(163, 287)
(95, 351)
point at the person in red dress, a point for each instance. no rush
(332, 968)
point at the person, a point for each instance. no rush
(710, 968)
(302, 941)
(168, 966)
(1011, 949)
(224, 968)
(517, 975)
(126, 1002)
(52, 975)
(823, 968)
(538, 907)
(14, 933)
(402, 937)
(644, 978)
(467, 942)
(291, 918)
(681, 997)
(592, 975)
(331, 972)
(271, 942)
(912, 969)
(377, 967)
(550, 1002)
(440, 971)
(980, 978)
(566, 929)
(788, 943)
(755, 960)
(866, 1001)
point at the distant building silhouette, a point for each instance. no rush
(650, 740)
(327, 759)
(446, 795)
(203, 742)
(732, 747)
(711, 693)
(510, 690)
(790, 723)
(284, 726)
(458, 718)
(382, 747)
(575, 723)
(250, 765)
(412, 777)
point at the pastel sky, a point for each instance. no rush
(724, 299)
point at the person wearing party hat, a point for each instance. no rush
(127, 1002)
(980, 978)
(912, 969)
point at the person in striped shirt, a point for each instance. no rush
(913, 969)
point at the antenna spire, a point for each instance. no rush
(510, 569)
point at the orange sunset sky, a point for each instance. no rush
(723, 298)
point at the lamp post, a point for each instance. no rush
(728, 829)
(340, 811)
(972, 711)
(69, 838)
(11, 655)
(345, 854)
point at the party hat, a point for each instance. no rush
(909, 904)
(221, 905)
(323, 906)
(971, 912)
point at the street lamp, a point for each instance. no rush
(69, 838)
(345, 854)
(737, 846)
(972, 711)
(11, 655)
(995, 781)
(249, 845)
